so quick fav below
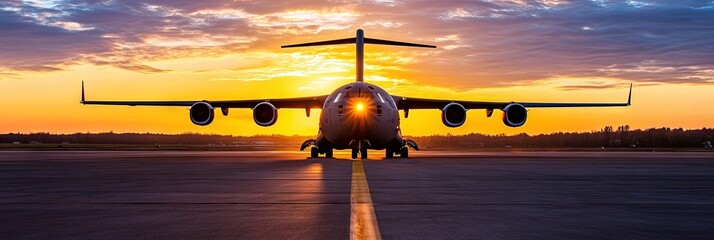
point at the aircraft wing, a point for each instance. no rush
(300, 102)
(426, 103)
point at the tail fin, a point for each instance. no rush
(629, 96)
(359, 40)
(82, 101)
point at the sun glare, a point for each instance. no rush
(360, 106)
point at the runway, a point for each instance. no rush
(284, 195)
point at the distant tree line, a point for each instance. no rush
(605, 137)
(608, 136)
(146, 138)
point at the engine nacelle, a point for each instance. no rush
(201, 113)
(265, 114)
(514, 115)
(453, 115)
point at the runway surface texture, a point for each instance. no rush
(283, 195)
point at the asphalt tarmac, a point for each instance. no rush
(283, 195)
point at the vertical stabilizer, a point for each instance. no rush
(360, 55)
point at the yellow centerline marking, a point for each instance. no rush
(363, 221)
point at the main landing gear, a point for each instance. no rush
(314, 151)
(403, 151)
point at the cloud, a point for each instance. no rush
(7, 75)
(481, 43)
(515, 42)
(41, 43)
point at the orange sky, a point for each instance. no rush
(216, 62)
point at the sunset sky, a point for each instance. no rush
(494, 50)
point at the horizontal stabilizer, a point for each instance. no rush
(395, 43)
(328, 42)
(354, 40)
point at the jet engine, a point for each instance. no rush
(514, 115)
(265, 114)
(201, 113)
(453, 115)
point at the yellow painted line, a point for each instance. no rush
(363, 221)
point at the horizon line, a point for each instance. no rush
(297, 135)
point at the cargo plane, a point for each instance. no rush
(359, 115)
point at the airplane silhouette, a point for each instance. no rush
(358, 115)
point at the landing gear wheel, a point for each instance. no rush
(404, 152)
(313, 152)
(354, 153)
(328, 153)
(390, 153)
(363, 153)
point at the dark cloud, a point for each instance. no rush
(653, 41)
(29, 46)
(599, 86)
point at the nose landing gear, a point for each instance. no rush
(362, 152)
(359, 146)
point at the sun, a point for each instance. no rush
(360, 106)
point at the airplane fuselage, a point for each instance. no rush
(359, 115)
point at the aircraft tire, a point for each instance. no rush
(404, 152)
(389, 152)
(328, 153)
(363, 153)
(313, 152)
(354, 153)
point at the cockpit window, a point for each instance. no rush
(380, 97)
(337, 98)
(391, 100)
(358, 95)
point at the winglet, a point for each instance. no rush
(629, 96)
(82, 102)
